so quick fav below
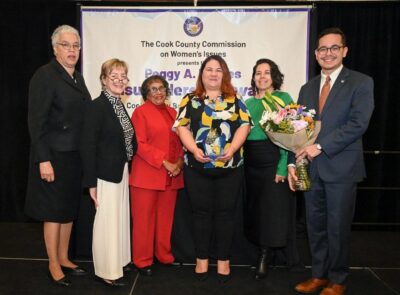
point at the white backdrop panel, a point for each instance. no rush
(174, 41)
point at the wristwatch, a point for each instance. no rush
(319, 146)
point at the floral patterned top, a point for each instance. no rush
(213, 125)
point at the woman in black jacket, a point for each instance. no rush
(108, 144)
(57, 95)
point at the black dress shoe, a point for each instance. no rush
(61, 282)
(262, 265)
(145, 271)
(175, 264)
(110, 283)
(201, 276)
(223, 279)
(77, 271)
(127, 268)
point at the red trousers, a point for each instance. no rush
(152, 218)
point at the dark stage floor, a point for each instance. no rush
(375, 270)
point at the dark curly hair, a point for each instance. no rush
(144, 90)
(276, 75)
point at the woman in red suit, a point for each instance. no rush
(156, 176)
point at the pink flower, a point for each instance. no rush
(282, 113)
(278, 119)
(299, 125)
(293, 112)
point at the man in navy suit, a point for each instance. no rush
(344, 102)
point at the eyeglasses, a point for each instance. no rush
(66, 46)
(116, 80)
(333, 49)
(155, 90)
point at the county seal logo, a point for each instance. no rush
(193, 26)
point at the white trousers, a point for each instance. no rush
(111, 231)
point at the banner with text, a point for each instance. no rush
(174, 41)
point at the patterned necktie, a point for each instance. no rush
(324, 93)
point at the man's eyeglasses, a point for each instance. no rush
(333, 49)
(66, 46)
(155, 90)
(115, 80)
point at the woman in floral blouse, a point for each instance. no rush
(213, 123)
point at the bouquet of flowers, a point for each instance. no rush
(292, 127)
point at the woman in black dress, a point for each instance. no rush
(57, 95)
(270, 205)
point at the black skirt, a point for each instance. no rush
(269, 206)
(57, 201)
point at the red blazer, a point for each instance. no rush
(152, 136)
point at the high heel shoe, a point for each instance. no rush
(77, 271)
(262, 265)
(201, 264)
(223, 266)
(110, 283)
(201, 276)
(61, 282)
(222, 278)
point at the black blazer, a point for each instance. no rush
(103, 149)
(55, 113)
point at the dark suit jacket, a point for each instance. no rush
(103, 149)
(344, 120)
(56, 107)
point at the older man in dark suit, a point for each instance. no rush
(344, 100)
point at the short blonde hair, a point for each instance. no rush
(63, 29)
(109, 65)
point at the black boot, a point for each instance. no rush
(262, 265)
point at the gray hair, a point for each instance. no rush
(63, 29)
